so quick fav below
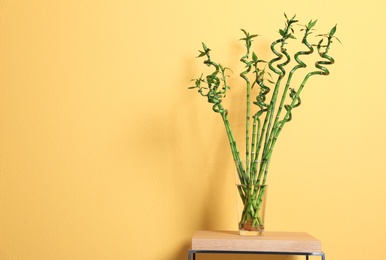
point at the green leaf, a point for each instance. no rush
(311, 24)
(282, 33)
(206, 49)
(254, 57)
(333, 30)
(245, 32)
(338, 40)
(270, 81)
(201, 54)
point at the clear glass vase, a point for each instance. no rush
(251, 200)
(251, 197)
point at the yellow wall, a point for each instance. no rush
(105, 154)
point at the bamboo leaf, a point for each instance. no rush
(254, 57)
(270, 81)
(338, 40)
(312, 24)
(205, 48)
(333, 30)
(201, 54)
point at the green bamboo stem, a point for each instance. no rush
(286, 33)
(266, 130)
(255, 134)
(328, 60)
(271, 125)
(257, 126)
(264, 136)
(271, 108)
(248, 65)
(248, 110)
(300, 64)
(260, 102)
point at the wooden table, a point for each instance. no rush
(273, 243)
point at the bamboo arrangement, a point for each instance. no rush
(273, 110)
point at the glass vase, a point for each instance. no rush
(251, 201)
(251, 197)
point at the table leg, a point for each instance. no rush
(190, 255)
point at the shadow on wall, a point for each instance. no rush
(199, 164)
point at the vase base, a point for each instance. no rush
(251, 233)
